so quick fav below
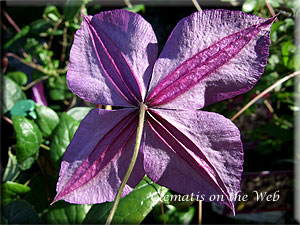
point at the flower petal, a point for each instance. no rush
(112, 58)
(200, 149)
(38, 94)
(210, 56)
(98, 157)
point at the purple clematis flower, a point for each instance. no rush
(210, 56)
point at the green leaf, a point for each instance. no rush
(45, 56)
(22, 108)
(133, 208)
(54, 33)
(287, 51)
(66, 213)
(26, 164)
(74, 26)
(29, 138)
(275, 3)
(72, 8)
(47, 119)
(11, 190)
(53, 17)
(12, 93)
(183, 216)
(51, 9)
(273, 61)
(288, 24)
(58, 88)
(249, 5)
(32, 114)
(294, 5)
(11, 171)
(137, 8)
(174, 215)
(25, 30)
(63, 134)
(40, 26)
(20, 212)
(17, 76)
(78, 113)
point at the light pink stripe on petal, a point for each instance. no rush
(109, 66)
(133, 45)
(200, 149)
(111, 59)
(38, 94)
(209, 58)
(100, 157)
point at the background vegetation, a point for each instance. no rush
(40, 116)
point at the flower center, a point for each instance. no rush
(143, 106)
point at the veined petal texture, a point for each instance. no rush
(194, 152)
(112, 58)
(210, 56)
(95, 162)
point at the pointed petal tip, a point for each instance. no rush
(270, 21)
(233, 208)
(55, 200)
(275, 18)
(59, 196)
(85, 17)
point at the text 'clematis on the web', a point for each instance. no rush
(210, 56)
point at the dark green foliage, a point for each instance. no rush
(132, 209)
(40, 134)
(29, 138)
(20, 212)
(47, 119)
(10, 190)
(11, 95)
(18, 77)
(62, 137)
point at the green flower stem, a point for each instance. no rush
(139, 135)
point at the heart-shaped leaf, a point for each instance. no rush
(63, 134)
(133, 208)
(47, 119)
(12, 94)
(29, 138)
(22, 108)
(66, 213)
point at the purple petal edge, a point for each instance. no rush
(38, 94)
(214, 147)
(200, 63)
(113, 52)
(108, 64)
(101, 157)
